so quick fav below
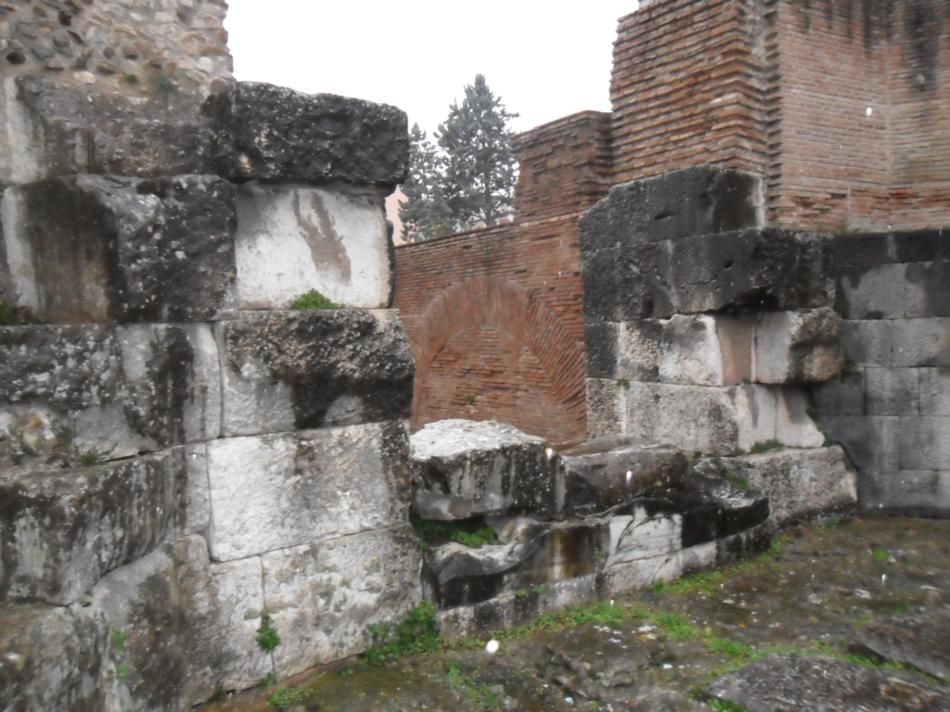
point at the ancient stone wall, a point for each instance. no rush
(494, 316)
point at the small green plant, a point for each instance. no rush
(119, 639)
(479, 695)
(468, 399)
(880, 555)
(267, 636)
(707, 582)
(677, 626)
(164, 83)
(734, 649)
(130, 78)
(737, 480)
(765, 446)
(93, 456)
(471, 534)
(313, 300)
(417, 633)
(623, 383)
(478, 538)
(288, 696)
(270, 680)
(7, 313)
(717, 705)
(121, 670)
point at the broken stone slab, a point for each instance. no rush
(496, 467)
(277, 135)
(799, 484)
(104, 249)
(611, 471)
(921, 641)
(293, 239)
(788, 683)
(314, 368)
(323, 597)
(277, 491)
(56, 129)
(70, 391)
(182, 627)
(692, 201)
(798, 347)
(64, 529)
(52, 659)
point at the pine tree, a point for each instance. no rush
(480, 164)
(426, 214)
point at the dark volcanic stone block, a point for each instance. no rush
(307, 369)
(62, 530)
(277, 135)
(601, 342)
(693, 201)
(95, 249)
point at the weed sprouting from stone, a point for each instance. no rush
(417, 633)
(267, 636)
(717, 705)
(288, 697)
(676, 625)
(93, 456)
(706, 582)
(880, 555)
(313, 300)
(765, 446)
(472, 533)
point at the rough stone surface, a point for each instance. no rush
(799, 484)
(292, 239)
(322, 597)
(797, 347)
(260, 129)
(782, 683)
(62, 530)
(694, 201)
(52, 659)
(495, 467)
(277, 491)
(97, 249)
(315, 368)
(920, 641)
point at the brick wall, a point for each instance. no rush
(783, 88)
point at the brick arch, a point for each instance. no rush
(488, 339)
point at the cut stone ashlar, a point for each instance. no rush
(63, 530)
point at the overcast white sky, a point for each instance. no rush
(545, 59)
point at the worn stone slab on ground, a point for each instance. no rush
(313, 368)
(277, 491)
(921, 641)
(64, 529)
(481, 467)
(292, 239)
(788, 683)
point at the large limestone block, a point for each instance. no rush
(277, 135)
(97, 249)
(55, 129)
(292, 239)
(798, 346)
(64, 529)
(52, 659)
(186, 627)
(70, 391)
(706, 350)
(693, 201)
(307, 369)
(799, 484)
(277, 491)
(463, 468)
(322, 597)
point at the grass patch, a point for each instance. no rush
(765, 446)
(471, 533)
(717, 705)
(707, 582)
(478, 694)
(313, 300)
(267, 637)
(289, 696)
(880, 555)
(676, 625)
(734, 649)
(736, 480)
(417, 633)
(8, 313)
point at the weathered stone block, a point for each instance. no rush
(892, 391)
(872, 442)
(51, 659)
(872, 291)
(920, 641)
(867, 343)
(921, 342)
(707, 350)
(639, 348)
(927, 289)
(842, 396)
(907, 492)
(606, 407)
(307, 369)
(924, 443)
(277, 135)
(63, 530)
(291, 239)
(279, 491)
(693, 201)
(799, 484)
(934, 391)
(322, 597)
(794, 426)
(600, 341)
(98, 249)
(797, 346)
(627, 282)
(482, 467)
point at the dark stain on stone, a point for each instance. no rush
(325, 243)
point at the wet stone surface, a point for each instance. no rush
(790, 615)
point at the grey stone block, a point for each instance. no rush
(880, 248)
(872, 442)
(98, 249)
(63, 530)
(693, 201)
(639, 347)
(323, 597)
(908, 492)
(600, 340)
(934, 391)
(842, 396)
(307, 486)
(921, 342)
(919, 641)
(927, 289)
(706, 350)
(892, 391)
(797, 346)
(872, 292)
(868, 343)
(274, 134)
(314, 368)
(925, 443)
(606, 407)
(51, 659)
